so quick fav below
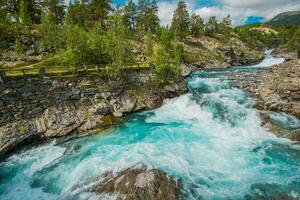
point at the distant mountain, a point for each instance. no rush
(287, 18)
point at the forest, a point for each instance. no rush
(98, 33)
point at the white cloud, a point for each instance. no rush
(167, 8)
(239, 10)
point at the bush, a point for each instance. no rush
(166, 66)
(50, 33)
(298, 53)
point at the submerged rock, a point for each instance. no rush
(139, 183)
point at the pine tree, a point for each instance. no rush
(100, 11)
(50, 34)
(120, 50)
(181, 21)
(211, 27)
(166, 65)
(130, 15)
(147, 16)
(196, 25)
(149, 43)
(24, 12)
(57, 8)
(225, 24)
(152, 20)
(77, 14)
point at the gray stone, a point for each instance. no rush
(139, 183)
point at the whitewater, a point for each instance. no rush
(211, 138)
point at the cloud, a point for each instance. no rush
(239, 10)
(166, 10)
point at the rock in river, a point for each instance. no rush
(139, 183)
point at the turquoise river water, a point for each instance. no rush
(210, 138)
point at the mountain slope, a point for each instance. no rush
(287, 18)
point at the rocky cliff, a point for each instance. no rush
(36, 110)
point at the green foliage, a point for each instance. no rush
(225, 25)
(24, 12)
(50, 32)
(99, 11)
(76, 14)
(255, 38)
(212, 26)
(196, 26)
(18, 48)
(294, 42)
(166, 66)
(166, 57)
(147, 18)
(149, 44)
(165, 38)
(56, 8)
(181, 21)
(120, 50)
(130, 16)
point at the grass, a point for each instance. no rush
(33, 69)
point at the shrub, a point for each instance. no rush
(166, 66)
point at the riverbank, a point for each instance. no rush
(42, 108)
(38, 110)
(275, 89)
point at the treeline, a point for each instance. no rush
(92, 32)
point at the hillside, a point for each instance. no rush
(287, 18)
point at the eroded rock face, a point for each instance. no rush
(45, 109)
(276, 89)
(139, 183)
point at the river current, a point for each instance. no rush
(211, 138)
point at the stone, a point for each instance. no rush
(139, 183)
(117, 114)
(36, 111)
(103, 111)
(127, 104)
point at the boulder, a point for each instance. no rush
(139, 183)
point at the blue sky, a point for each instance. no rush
(241, 11)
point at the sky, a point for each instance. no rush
(241, 11)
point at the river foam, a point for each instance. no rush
(211, 138)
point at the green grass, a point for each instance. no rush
(33, 69)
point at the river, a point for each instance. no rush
(211, 138)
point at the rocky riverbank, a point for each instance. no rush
(37, 110)
(274, 89)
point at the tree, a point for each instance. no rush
(149, 43)
(147, 16)
(196, 25)
(166, 65)
(50, 32)
(181, 21)
(294, 42)
(225, 25)
(100, 11)
(57, 8)
(120, 50)
(165, 38)
(211, 27)
(76, 14)
(24, 12)
(130, 15)
(152, 20)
